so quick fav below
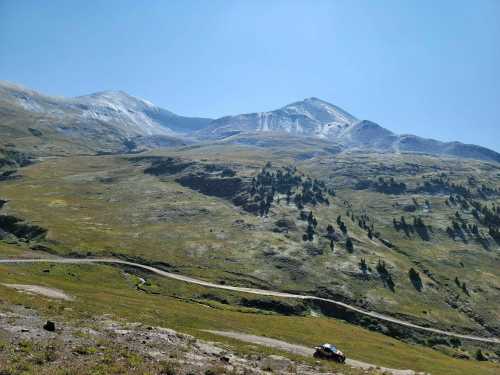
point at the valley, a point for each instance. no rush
(408, 234)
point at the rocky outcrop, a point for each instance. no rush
(11, 158)
(245, 201)
(11, 225)
(222, 187)
(166, 166)
(274, 305)
(8, 175)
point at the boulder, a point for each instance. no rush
(284, 225)
(49, 326)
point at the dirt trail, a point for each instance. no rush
(41, 290)
(254, 291)
(302, 350)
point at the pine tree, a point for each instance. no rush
(480, 356)
(349, 245)
(464, 288)
(415, 279)
(343, 228)
(363, 266)
(310, 232)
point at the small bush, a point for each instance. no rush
(215, 371)
(480, 356)
(168, 368)
(85, 350)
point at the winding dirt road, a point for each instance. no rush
(253, 291)
(303, 350)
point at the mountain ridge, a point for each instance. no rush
(118, 117)
(140, 115)
(341, 128)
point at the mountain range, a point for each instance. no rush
(114, 121)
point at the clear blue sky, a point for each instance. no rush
(430, 68)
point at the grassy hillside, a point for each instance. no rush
(106, 290)
(181, 208)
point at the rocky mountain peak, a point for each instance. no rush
(320, 110)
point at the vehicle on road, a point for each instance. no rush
(330, 352)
